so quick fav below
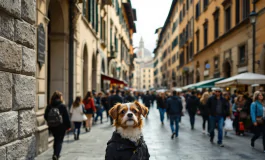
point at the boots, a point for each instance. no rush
(77, 138)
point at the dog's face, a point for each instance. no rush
(128, 114)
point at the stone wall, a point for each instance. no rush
(17, 79)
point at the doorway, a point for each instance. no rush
(85, 71)
(57, 51)
(227, 69)
(94, 72)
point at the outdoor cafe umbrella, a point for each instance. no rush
(242, 79)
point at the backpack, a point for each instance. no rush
(88, 104)
(54, 117)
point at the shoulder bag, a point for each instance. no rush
(259, 119)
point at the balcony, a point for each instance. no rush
(206, 73)
(112, 54)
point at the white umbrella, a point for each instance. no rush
(177, 89)
(243, 79)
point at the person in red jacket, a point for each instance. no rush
(89, 110)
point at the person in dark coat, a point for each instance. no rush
(192, 107)
(113, 100)
(174, 110)
(204, 111)
(58, 132)
(218, 110)
(161, 106)
(105, 103)
(123, 149)
(147, 99)
(128, 97)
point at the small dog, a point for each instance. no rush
(127, 141)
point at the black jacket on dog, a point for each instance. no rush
(123, 149)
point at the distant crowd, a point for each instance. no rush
(218, 109)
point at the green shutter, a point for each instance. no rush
(97, 17)
(84, 7)
(101, 32)
(110, 37)
(91, 11)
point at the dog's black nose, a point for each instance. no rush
(130, 115)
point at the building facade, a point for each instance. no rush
(215, 40)
(71, 46)
(17, 79)
(144, 69)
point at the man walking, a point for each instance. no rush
(218, 109)
(174, 110)
(192, 106)
(147, 100)
(113, 100)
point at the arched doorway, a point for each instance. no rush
(85, 71)
(102, 66)
(94, 72)
(57, 51)
(227, 69)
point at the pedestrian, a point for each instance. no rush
(227, 98)
(105, 104)
(113, 100)
(192, 107)
(77, 116)
(174, 110)
(161, 106)
(147, 99)
(233, 97)
(90, 109)
(183, 100)
(58, 121)
(257, 111)
(204, 112)
(98, 108)
(240, 114)
(218, 109)
(129, 97)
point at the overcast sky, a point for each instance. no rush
(151, 14)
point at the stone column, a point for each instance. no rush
(17, 79)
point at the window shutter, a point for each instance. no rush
(96, 17)
(84, 7)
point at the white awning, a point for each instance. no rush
(242, 79)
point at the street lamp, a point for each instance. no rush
(253, 18)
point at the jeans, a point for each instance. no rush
(58, 135)
(174, 119)
(99, 114)
(77, 127)
(192, 119)
(162, 114)
(257, 130)
(220, 121)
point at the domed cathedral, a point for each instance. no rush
(144, 72)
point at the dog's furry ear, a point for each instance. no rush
(113, 112)
(142, 108)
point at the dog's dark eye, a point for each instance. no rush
(134, 111)
(123, 112)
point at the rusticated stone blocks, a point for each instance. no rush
(26, 119)
(6, 91)
(25, 34)
(9, 127)
(24, 92)
(22, 149)
(10, 55)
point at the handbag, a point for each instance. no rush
(228, 125)
(84, 117)
(259, 119)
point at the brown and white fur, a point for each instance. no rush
(128, 119)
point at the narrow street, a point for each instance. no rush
(190, 145)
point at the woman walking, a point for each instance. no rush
(257, 112)
(77, 112)
(161, 106)
(90, 109)
(58, 121)
(240, 114)
(204, 112)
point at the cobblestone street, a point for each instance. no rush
(191, 145)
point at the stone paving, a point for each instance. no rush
(190, 145)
